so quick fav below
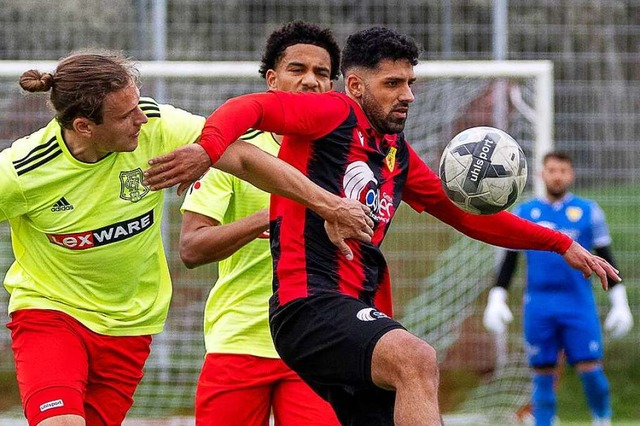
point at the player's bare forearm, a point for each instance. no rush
(204, 240)
(345, 218)
(583, 260)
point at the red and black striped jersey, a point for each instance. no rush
(329, 138)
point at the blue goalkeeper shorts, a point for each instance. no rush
(553, 322)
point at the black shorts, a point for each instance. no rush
(328, 340)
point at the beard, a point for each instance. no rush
(381, 122)
(557, 192)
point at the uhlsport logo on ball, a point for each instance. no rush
(483, 170)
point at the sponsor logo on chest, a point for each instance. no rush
(106, 235)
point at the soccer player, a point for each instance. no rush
(331, 319)
(226, 219)
(90, 282)
(559, 309)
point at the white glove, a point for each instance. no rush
(497, 314)
(619, 320)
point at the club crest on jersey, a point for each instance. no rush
(574, 213)
(131, 187)
(390, 159)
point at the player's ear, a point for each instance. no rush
(82, 126)
(272, 79)
(354, 85)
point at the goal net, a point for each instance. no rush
(440, 277)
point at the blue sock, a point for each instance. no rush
(596, 389)
(543, 400)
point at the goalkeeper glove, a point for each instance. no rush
(497, 314)
(619, 320)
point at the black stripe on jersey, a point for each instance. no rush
(33, 154)
(53, 155)
(38, 156)
(150, 107)
(251, 134)
(327, 162)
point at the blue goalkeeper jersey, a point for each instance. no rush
(582, 220)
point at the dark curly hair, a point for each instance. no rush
(368, 47)
(300, 32)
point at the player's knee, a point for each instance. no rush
(419, 363)
(401, 360)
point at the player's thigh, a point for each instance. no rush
(235, 389)
(295, 403)
(400, 358)
(329, 341)
(582, 337)
(541, 335)
(367, 406)
(115, 370)
(51, 364)
(329, 338)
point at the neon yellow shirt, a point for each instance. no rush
(86, 237)
(236, 316)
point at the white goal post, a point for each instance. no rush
(541, 71)
(436, 293)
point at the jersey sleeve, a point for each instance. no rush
(13, 202)
(312, 115)
(210, 195)
(423, 192)
(179, 127)
(601, 236)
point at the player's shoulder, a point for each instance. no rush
(150, 107)
(34, 150)
(263, 140)
(154, 111)
(586, 203)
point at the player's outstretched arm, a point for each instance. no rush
(345, 218)
(581, 259)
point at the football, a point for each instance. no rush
(483, 170)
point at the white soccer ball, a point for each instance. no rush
(483, 170)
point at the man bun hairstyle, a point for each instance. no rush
(300, 32)
(36, 81)
(81, 82)
(367, 48)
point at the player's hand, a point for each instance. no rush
(182, 166)
(619, 320)
(350, 220)
(497, 314)
(581, 259)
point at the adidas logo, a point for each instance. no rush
(61, 205)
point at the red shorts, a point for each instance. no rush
(243, 389)
(62, 367)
